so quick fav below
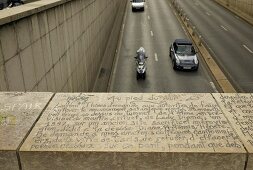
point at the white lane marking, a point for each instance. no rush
(213, 86)
(148, 17)
(207, 13)
(224, 28)
(247, 48)
(156, 57)
(152, 34)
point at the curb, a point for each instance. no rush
(103, 78)
(116, 57)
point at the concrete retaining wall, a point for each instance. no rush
(245, 6)
(54, 45)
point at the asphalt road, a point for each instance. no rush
(155, 29)
(229, 38)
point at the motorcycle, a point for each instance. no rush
(141, 70)
(141, 63)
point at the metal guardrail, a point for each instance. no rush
(188, 23)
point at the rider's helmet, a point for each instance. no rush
(140, 51)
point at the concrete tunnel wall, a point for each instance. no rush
(55, 45)
(245, 6)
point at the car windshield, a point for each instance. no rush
(185, 49)
(137, 0)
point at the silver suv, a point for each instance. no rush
(183, 55)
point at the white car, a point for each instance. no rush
(138, 5)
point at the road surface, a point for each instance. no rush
(229, 38)
(155, 29)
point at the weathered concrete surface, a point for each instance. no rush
(132, 160)
(133, 131)
(242, 8)
(18, 113)
(245, 6)
(238, 108)
(55, 45)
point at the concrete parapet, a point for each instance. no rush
(238, 108)
(126, 131)
(18, 113)
(54, 45)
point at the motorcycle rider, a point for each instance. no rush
(141, 63)
(141, 56)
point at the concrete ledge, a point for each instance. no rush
(130, 160)
(18, 113)
(238, 108)
(13, 14)
(126, 131)
(123, 131)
